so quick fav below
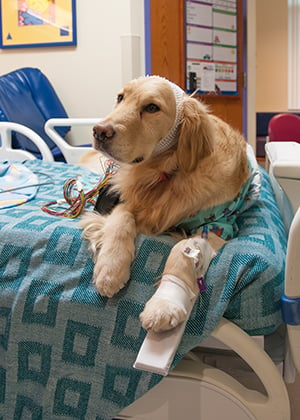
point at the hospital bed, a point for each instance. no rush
(215, 383)
(66, 352)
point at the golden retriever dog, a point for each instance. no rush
(176, 159)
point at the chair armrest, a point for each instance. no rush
(71, 153)
(6, 150)
(284, 158)
(284, 170)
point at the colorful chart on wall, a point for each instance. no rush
(36, 23)
(211, 46)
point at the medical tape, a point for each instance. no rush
(201, 252)
(173, 289)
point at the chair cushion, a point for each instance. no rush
(27, 97)
(284, 127)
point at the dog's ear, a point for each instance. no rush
(196, 137)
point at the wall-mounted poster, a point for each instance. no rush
(37, 23)
(211, 46)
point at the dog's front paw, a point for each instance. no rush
(111, 273)
(161, 315)
(92, 224)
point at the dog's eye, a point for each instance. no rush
(151, 108)
(120, 98)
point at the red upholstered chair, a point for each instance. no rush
(284, 127)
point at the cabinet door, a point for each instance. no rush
(168, 56)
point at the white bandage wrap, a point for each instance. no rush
(173, 289)
(171, 138)
(158, 349)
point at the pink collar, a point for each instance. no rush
(164, 176)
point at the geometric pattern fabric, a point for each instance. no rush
(65, 351)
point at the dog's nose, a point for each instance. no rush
(103, 132)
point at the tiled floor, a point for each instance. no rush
(261, 162)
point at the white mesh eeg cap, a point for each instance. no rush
(171, 138)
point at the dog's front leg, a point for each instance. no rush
(113, 260)
(111, 240)
(171, 303)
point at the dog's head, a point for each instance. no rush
(151, 116)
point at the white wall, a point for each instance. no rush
(271, 56)
(109, 52)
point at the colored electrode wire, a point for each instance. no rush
(75, 196)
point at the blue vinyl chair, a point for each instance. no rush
(28, 98)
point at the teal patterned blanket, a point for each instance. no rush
(65, 351)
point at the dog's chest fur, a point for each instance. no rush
(158, 202)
